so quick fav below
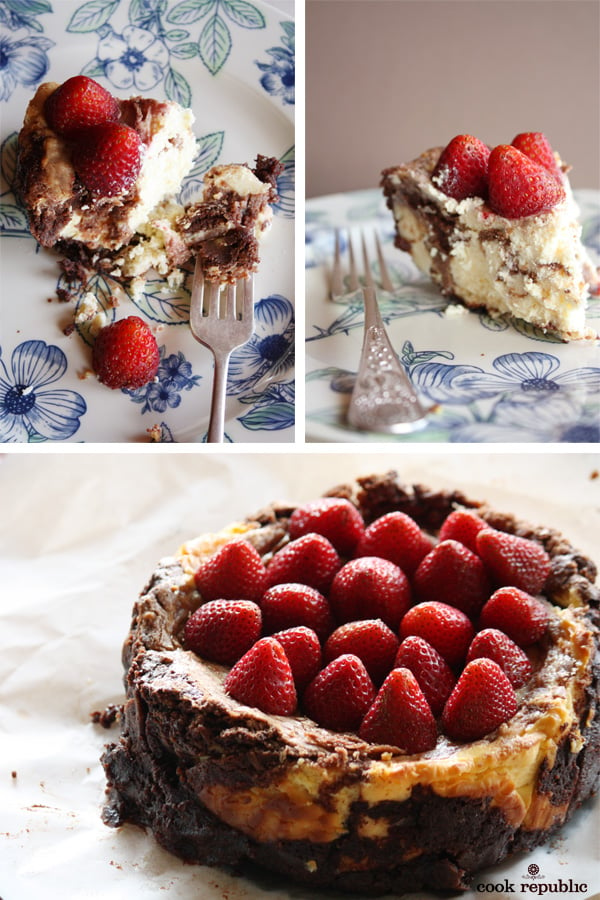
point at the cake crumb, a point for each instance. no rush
(595, 474)
(13, 775)
(108, 716)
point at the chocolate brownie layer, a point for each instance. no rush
(223, 784)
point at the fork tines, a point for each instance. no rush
(341, 286)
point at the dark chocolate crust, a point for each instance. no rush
(181, 735)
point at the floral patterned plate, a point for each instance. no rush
(232, 61)
(489, 380)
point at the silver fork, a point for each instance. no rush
(383, 398)
(222, 319)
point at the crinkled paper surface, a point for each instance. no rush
(80, 533)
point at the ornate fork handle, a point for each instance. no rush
(383, 398)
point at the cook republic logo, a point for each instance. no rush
(533, 882)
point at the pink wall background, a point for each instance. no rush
(385, 79)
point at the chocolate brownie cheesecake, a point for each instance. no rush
(497, 230)
(232, 749)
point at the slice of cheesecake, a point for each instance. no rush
(497, 244)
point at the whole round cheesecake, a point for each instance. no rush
(221, 780)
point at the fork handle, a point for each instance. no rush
(216, 425)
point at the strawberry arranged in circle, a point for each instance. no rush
(287, 605)
(107, 158)
(462, 526)
(482, 700)
(310, 559)
(522, 617)
(340, 695)
(434, 675)
(303, 650)
(335, 518)
(263, 678)
(447, 629)
(400, 715)
(397, 538)
(125, 354)
(518, 186)
(235, 572)
(371, 640)
(454, 574)
(370, 587)
(496, 645)
(461, 170)
(513, 560)
(78, 103)
(223, 630)
(536, 146)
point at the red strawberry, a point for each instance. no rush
(429, 668)
(263, 678)
(311, 560)
(287, 605)
(125, 354)
(519, 615)
(536, 146)
(107, 158)
(371, 640)
(303, 651)
(340, 695)
(78, 103)
(455, 575)
(446, 628)
(370, 587)
(223, 630)
(335, 518)
(400, 715)
(513, 560)
(396, 537)
(518, 186)
(461, 170)
(463, 526)
(496, 645)
(483, 698)
(235, 572)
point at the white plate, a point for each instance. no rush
(233, 63)
(492, 380)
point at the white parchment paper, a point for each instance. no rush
(80, 533)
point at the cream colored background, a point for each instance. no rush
(386, 79)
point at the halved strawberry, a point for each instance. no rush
(518, 186)
(454, 574)
(519, 615)
(461, 170)
(263, 678)
(334, 517)
(125, 354)
(482, 700)
(370, 587)
(310, 559)
(496, 645)
(397, 538)
(431, 670)
(446, 628)
(371, 640)
(513, 560)
(463, 526)
(107, 158)
(288, 605)
(223, 630)
(340, 695)
(235, 572)
(537, 147)
(303, 650)
(78, 103)
(400, 715)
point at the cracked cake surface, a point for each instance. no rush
(220, 782)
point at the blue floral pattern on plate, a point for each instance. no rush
(488, 380)
(172, 49)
